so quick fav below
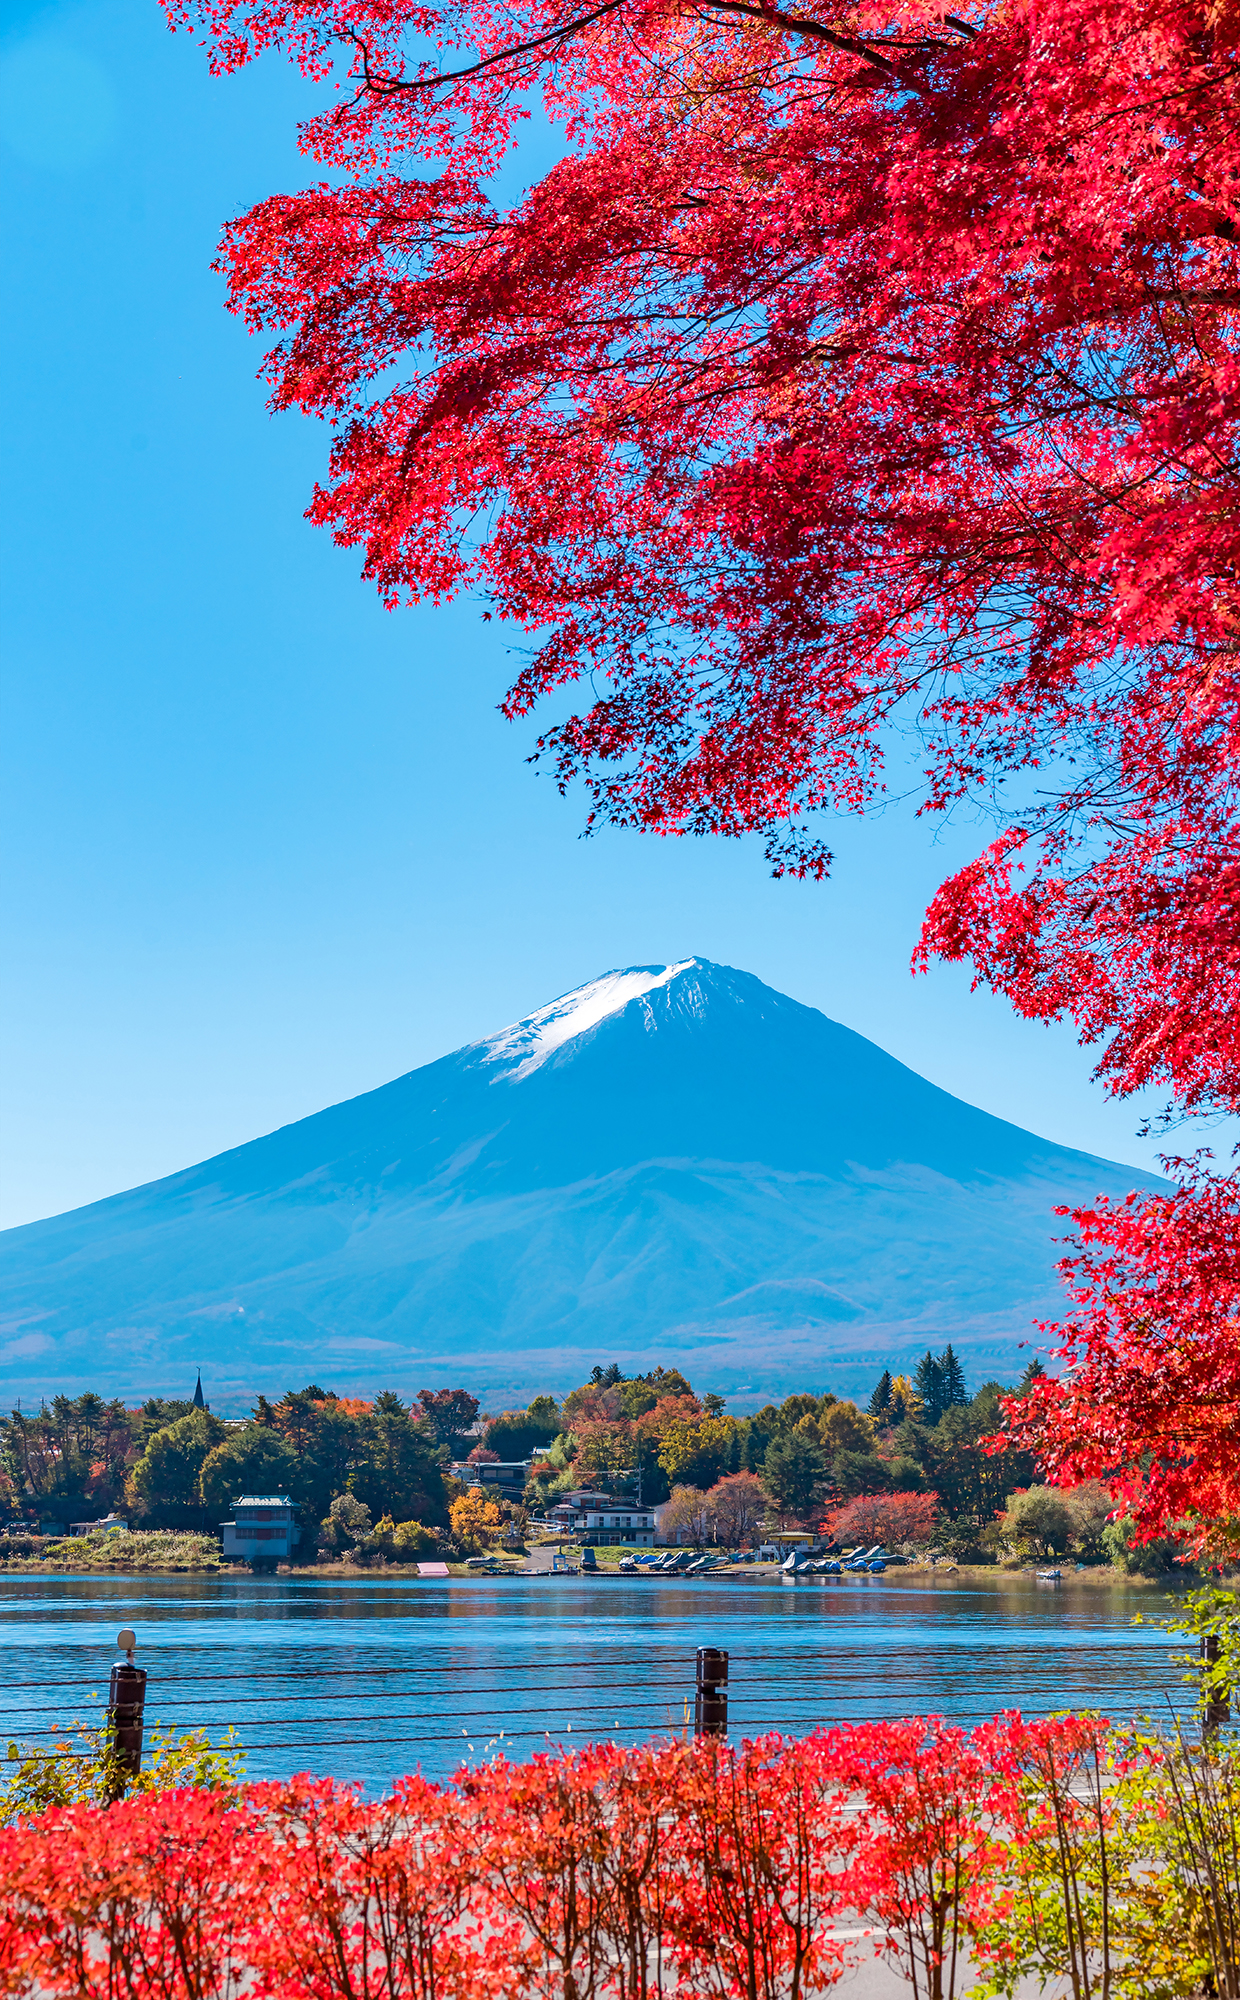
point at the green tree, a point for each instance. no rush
(802, 1404)
(164, 1483)
(546, 1411)
(857, 1472)
(880, 1401)
(252, 1460)
(636, 1398)
(518, 1433)
(160, 1411)
(72, 1458)
(754, 1441)
(395, 1472)
(794, 1475)
(667, 1382)
(954, 1393)
(347, 1524)
(322, 1433)
(928, 1382)
(1156, 1558)
(1040, 1516)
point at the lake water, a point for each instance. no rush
(368, 1677)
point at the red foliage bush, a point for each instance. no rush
(602, 1875)
(890, 1518)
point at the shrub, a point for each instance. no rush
(142, 1549)
(411, 1540)
(1053, 1850)
(80, 1769)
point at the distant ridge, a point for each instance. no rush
(672, 1161)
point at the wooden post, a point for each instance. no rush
(710, 1710)
(1215, 1707)
(126, 1696)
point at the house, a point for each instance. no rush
(602, 1520)
(111, 1524)
(263, 1529)
(508, 1474)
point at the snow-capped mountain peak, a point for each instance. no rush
(527, 1045)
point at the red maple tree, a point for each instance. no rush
(853, 372)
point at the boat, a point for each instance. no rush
(1049, 1575)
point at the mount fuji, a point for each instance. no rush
(672, 1163)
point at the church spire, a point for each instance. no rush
(199, 1400)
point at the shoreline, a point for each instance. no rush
(917, 1575)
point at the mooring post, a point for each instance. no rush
(1216, 1700)
(123, 1728)
(710, 1710)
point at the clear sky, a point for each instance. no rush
(266, 845)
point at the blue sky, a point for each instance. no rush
(267, 845)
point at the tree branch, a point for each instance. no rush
(795, 24)
(389, 86)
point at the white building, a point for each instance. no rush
(111, 1524)
(263, 1529)
(602, 1520)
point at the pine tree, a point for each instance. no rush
(753, 1448)
(929, 1385)
(880, 1401)
(951, 1377)
(1030, 1376)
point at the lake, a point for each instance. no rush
(368, 1677)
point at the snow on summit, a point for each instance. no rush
(529, 1043)
(753, 1187)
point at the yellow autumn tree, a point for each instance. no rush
(475, 1519)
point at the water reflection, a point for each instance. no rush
(368, 1678)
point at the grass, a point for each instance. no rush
(140, 1549)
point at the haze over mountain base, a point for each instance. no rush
(673, 1163)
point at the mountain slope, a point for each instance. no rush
(669, 1161)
